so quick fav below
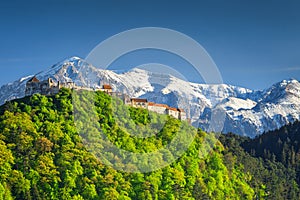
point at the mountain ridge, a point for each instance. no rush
(247, 112)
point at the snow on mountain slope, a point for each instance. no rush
(277, 106)
(237, 104)
(13, 90)
(247, 112)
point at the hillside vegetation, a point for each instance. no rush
(44, 157)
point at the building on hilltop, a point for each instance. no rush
(173, 112)
(69, 85)
(158, 108)
(124, 97)
(46, 87)
(139, 103)
(49, 87)
(165, 109)
(106, 88)
(181, 114)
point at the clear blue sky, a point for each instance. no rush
(254, 43)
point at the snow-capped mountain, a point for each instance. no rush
(245, 112)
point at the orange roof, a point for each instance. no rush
(180, 110)
(151, 104)
(34, 79)
(108, 87)
(157, 104)
(174, 109)
(161, 105)
(139, 100)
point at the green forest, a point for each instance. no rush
(43, 155)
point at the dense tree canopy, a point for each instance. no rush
(44, 157)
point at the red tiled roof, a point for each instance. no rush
(139, 100)
(107, 87)
(180, 110)
(151, 104)
(161, 105)
(174, 109)
(157, 104)
(34, 79)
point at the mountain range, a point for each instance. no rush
(246, 112)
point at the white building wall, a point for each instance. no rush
(173, 113)
(182, 116)
(157, 109)
(139, 105)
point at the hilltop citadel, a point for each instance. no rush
(50, 87)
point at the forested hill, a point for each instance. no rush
(281, 145)
(272, 158)
(43, 157)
